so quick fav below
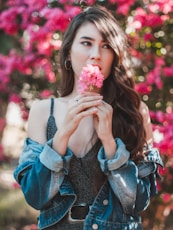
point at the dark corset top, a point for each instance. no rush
(84, 173)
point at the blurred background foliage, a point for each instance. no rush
(30, 39)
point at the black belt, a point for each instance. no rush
(78, 212)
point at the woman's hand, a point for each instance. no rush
(81, 106)
(103, 126)
(78, 108)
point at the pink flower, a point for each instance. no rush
(56, 18)
(154, 77)
(168, 71)
(146, 19)
(90, 78)
(16, 185)
(15, 98)
(2, 123)
(72, 11)
(45, 93)
(166, 197)
(148, 37)
(143, 88)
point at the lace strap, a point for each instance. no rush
(51, 106)
(51, 124)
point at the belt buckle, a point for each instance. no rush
(71, 219)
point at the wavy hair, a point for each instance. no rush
(118, 89)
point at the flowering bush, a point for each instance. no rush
(30, 35)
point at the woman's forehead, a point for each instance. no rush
(88, 29)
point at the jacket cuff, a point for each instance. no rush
(154, 156)
(120, 158)
(54, 161)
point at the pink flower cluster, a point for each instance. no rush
(123, 6)
(155, 76)
(90, 79)
(155, 15)
(164, 128)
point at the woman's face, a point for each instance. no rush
(89, 47)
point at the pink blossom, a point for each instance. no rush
(38, 36)
(45, 93)
(66, 1)
(160, 116)
(4, 79)
(4, 73)
(143, 88)
(149, 37)
(2, 156)
(24, 112)
(57, 19)
(168, 71)
(139, 18)
(8, 21)
(159, 61)
(163, 171)
(153, 20)
(123, 9)
(44, 47)
(166, 197)
(72, 11)
(15, 98)
(56, 44)
(35, 5)
(14, 18)
(154, 77)
(90, 2)
(2, 123)
(166, 129)
(136, 53)
(152, 115)
(144, 19)
(16, 62)
(154, 8)
(165, 6)
(123, 6)
(90, 78)
(16, 185)
(45, 68)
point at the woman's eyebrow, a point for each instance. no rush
(87, 38)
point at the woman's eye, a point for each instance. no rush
(106, 46)
(86, 43)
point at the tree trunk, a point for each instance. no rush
(3, 111)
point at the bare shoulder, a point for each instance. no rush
(37, 120)
(143, 109)
(40, 106)
(146, 122)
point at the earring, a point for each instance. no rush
(67, 64)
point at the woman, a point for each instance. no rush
(88, 161)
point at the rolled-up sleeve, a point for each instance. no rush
(130, 182)
(40, 172)
(52, 160)
(120, 158)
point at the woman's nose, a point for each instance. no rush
(95, 53)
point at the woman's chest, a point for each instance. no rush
(83, 137)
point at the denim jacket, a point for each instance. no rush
(43, 176)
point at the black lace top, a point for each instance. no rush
(84, 174)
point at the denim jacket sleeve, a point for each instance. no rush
(132, 184)
(40, 172)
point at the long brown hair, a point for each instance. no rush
(118, 89)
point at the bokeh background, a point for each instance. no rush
(30, 38)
